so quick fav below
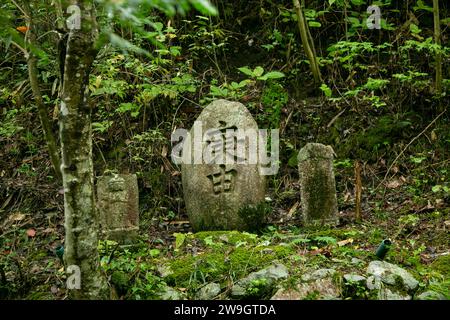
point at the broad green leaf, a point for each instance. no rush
(358, 2)
(314, 24)
(204, 6)
(154, 252)
(414, 28)
(354, 21)
(179, 239)
(422, 6)
(258, 71)
(175, 51)
(436, 188)
(246, 71)
(326, 90)
(271, 75)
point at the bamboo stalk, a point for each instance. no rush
(307, 43)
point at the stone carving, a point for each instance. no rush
(118, 206)
(317, 184)
(223, 181)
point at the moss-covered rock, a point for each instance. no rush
(221, 254)
(442, 265)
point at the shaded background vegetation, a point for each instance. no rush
(377, 95)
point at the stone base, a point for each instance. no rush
(319, 223)
(122, 236)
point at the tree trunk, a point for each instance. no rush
(437, 40)
(30, 40)
(81, 219)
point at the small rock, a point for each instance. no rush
(430, 295)
(373, 283)
(169, 293)
(320, 289)
(354, 286)
(208, 292)
(319, 274)
(356, 261)
(354, 278)
(388, 273)
(164, 270)
(268, 277)
(286, 294)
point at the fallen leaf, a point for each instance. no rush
(347, 196)
(164, 151)
(293, 209)
(49, 230)
(179, 222)
(17, 217)
(393, 184)
(433, 136)
(31, 233)
(344, 242)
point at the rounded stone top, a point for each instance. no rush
(224, 113)
(316, 151)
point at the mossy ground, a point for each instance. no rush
(226, 256)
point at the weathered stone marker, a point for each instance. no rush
(317, 184)
(216, 185)
(118, 205)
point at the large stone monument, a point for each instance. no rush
(317, 184)
(118, 206)
(220, 171)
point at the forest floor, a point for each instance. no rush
(169, 254)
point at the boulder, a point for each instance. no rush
(390, 274)
(257, 284)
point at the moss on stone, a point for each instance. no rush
(229, 237)
(442, 265)
(121, 281)
(218, 263)
(442, 288)
(255, 216)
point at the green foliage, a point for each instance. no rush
(258, 73)
(9, 126)
(274, 97)
(325, 240)
(326, 90)
(257, 287)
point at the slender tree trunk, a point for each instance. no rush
(437, 39)
(59, 14)
(30, 39)
(358, 191)
(307, 43)
(81, 219)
